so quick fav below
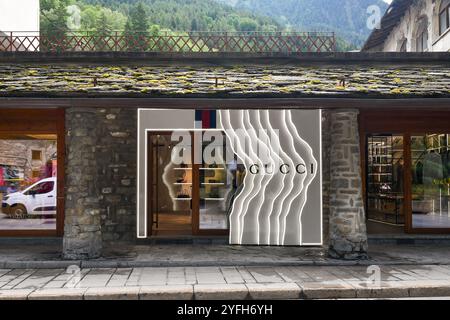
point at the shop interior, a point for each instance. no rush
(187, 198)
(407, 183)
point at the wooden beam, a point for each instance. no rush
(250, 103)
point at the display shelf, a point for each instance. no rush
(213, 183)
(384, 155)
(380, 174)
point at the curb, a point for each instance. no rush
(93, 264)
(257, 291)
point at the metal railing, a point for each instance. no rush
(120, 41)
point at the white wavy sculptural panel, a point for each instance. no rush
(280, 167)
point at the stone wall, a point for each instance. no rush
(100, 179)
(326, 145)
(347, 224)
(116, 161)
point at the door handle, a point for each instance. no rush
(49, 196)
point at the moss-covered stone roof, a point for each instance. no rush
(64, 80)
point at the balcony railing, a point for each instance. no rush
(170, 42)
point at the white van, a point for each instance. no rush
(37, 199)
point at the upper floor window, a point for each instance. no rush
(422, 36)
(403, 44)
(444, 17)
(422, 41)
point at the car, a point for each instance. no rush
(37, 199)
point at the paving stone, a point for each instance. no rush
(235, 280)
(428, 288)
(4, 271)
(38, 279)
(176, 281)
(55, 284)
(210, 278)
(220, 292)
(20, 294)
(285, 290)
(265, 275)
(119, 278)
(290, 276)
(96, 278)
(320, 274)
(13, 274)
(381, 292)
(248, 278)
(327, 290)
(112, 293)
(168, 292)
(58, 294)
(18, 279)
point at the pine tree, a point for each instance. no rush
(194, 25)
(139, 18)
(102, 32)
(103, 26)
(137, 28)
(61, 15)
(54, 24)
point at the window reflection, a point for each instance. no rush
(28, 187)
(430, 156)
(385, 184)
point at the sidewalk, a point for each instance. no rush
(14, 256)
(180, 271)
(304, 282)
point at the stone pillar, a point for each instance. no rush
(82, 229)
(348, 236)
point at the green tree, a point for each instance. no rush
(248, 24)
(54, 28)
(194, 25)
(103, 26)
(137, 28)
(102, 33)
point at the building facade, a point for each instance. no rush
(342, 172)
(23, 18)
(413, 26)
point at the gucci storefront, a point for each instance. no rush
(323, 150)
(252, 174)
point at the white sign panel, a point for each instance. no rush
(279, 201)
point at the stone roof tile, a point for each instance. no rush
(74, 80)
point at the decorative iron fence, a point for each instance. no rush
(249, 42)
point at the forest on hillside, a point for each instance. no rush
(157, 16)
(348, 18)
(175, 15)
